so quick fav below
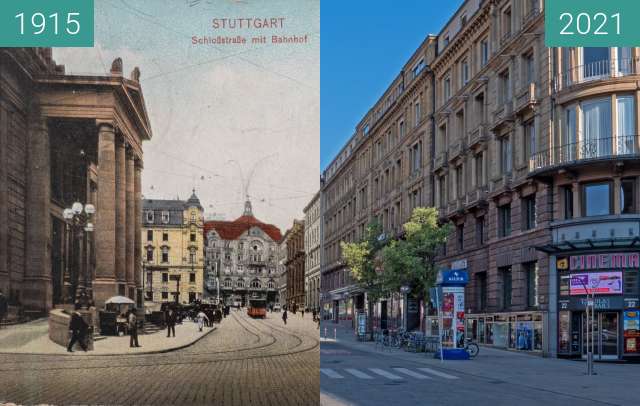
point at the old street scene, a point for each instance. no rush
(481, 220)
(156, 205)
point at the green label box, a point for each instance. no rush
(46, 23)
(592, 23)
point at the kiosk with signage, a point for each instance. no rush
(452, 283)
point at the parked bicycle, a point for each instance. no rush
(471, 347)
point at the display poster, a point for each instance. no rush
(362, 323)
(600, 283)
(453, 316)
(524, 335)
(631, 331)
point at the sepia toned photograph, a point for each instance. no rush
(159, 205)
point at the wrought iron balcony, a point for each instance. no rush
(596, 71)
(585, 150)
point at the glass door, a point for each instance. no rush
(608, 333)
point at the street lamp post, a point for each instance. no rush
(405, 307)
(589, 316)
(78, 222)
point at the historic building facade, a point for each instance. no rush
(281, 281)
(68, 139)
(294, 238)
(312, 253)
(382, 173)
(241, 258)
(173, 250)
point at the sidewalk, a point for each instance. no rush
(33, 338)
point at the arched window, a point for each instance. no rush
(228, 283)
(271, 284)
(240, 283)
(256, 284)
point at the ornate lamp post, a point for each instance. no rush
(78, 222)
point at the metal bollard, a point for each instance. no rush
(334, 335)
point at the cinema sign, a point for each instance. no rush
(586, 262)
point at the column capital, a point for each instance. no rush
(139, 165)
(106, 125)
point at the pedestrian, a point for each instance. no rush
(315, 314)
(171, 322)
(201, 317)
(78, 329)
(4, 307)
(133, 329)
(302, 312)
(284, 316)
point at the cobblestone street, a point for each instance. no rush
(243, 362)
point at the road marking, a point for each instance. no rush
(331, 373)
(411, 373)
(358, 374)
(384, 373)
(437, 373)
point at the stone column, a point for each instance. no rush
(137, 195)
(131, 222)
(121, 218)
(105, 229)
(37, 290)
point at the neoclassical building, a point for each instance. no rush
(312, 253)
(173, 249)
(68, 139)
(241, 258)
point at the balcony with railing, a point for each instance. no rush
(477, 136)
(596, 71)
(585, 151)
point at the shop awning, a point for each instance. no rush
(588, 244)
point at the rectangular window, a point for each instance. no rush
(464, 72)
(529, 140)
(149, 235)
(480, 230)
(401, 129)
(479, 108)
(627, 196)
(504, 95)
(505, 154)
(459, 182)
(504, 220)
(626, 125)
(528, 68)
(484, 52)
(418, 114)
(442, 138)
(416, 157)
(532, 275)
(506, 22)
(165, 217)
(165, 277)
(149, 254)
(597, 128)
(567, 194)
(165, 236)
(505, 272)
(569, 138)
(447, 89)
(442, 186)
(460, 237)
(193, 237)
(192, 277)
(150, 216)
(596, 199)
(529, 212)
(479, 169)
(481, 278)
(165, 295)
(165, 256)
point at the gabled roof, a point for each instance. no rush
(232, 230)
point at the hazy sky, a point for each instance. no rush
(219, 112)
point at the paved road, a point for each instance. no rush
(355, 374)
(244, 362)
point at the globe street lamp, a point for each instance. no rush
(78, 222)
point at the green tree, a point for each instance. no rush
(411, 261)
(364, 261)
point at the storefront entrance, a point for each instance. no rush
(605, 334)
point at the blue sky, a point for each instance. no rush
(364, 44)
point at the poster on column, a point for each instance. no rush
(453, 313)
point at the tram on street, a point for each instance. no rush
(257, 308)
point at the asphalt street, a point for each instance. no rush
(356, 374)
(243, 362)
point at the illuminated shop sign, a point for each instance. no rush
(601, 283)
(587, 262)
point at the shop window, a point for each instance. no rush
(529, 212)
(532, 275)
(505, 273)
(627, 196)
(480, 230)
(596, 199)
(567, 194)
(504, 220)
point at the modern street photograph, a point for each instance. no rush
(479, 193)
(159, 204)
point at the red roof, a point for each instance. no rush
(231, 230)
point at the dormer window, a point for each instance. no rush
(165, 217)
(149, 216)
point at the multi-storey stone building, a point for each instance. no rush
(173, 247)
(535, 163)
(281, 281)
(242, 256)
(294, 239)
(66, 139)
(383, 172)
(312, 253)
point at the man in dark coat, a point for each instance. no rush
(78, 328)
(170, 317)
(4, 307)
(133, 329)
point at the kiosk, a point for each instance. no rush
(451, 284)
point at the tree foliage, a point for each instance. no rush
(411, 261)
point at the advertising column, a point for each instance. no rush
(452, 283)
